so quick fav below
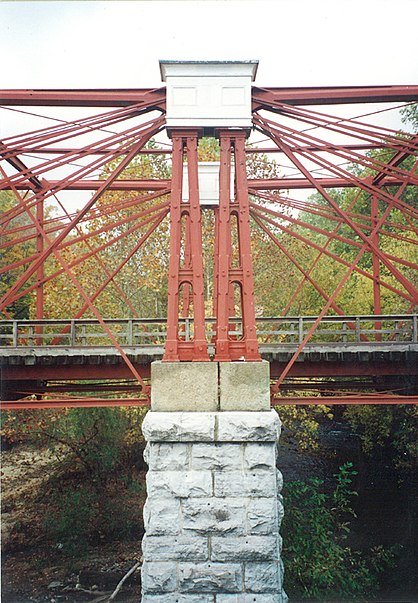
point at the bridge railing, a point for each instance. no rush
(133, 332)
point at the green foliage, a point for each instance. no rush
(319, 563)
(389, 428)
(69, 526)
(410, 116)
(301, 424)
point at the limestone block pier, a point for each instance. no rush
(213, 508)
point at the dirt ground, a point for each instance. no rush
(32, 571)
(35, 571)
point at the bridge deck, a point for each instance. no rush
(368, 354)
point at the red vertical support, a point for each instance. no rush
(40, 271)
(190, 275)
(231, 347)
(171, 345)
(376, 266)
(222, 250)
(246, 264)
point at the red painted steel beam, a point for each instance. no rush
(72, 403)
(84, 402)
(74, 371)
(343, 368)
(118, 185)
(84, 98)
(334, 95)
(266, 184)
(378, 399)
(292, 96)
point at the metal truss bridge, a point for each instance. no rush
(104, 206)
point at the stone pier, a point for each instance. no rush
(214, 508)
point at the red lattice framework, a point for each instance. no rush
(319, 151)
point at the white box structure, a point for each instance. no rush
(208, 94)
(208, 174)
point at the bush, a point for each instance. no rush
(315, 529)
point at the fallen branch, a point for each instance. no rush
(126, 576)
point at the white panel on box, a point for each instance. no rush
(208, 174)
(215, 94)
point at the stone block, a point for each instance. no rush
(279, 477)
(259, 455)
(248, 426)
(167, 457)
(252, 598)
(184, 386)
(214, 516)
(178, 598)
(179, 484)
(217, 456)
(243, 483)
(159, 577)
(179, 426)
(177, 548)
(210, 577)
(244, 548)
(244, 386)
(262, 516)
(263, 577)
(162, 517)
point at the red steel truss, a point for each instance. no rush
(317, 150)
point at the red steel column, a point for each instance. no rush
(171, 345)
(246, 264)
(222, 250)
(190, 275)
(376, 266)
(231, 347)
(40, 270)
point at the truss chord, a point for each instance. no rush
(400, 277)
(332, 235)
(135, 132)
(331, 166)
(53, 245)
(306, 275)
(81, 259)
(342, 261)
(276, 386)
(111, 275)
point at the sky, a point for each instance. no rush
(117, 44)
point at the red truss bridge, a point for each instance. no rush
(128, 236)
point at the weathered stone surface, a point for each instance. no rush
(179, 598)
(262, 516)
(244, 386)
(210, 577)
(279, 477)
(214, 516)
(259, 455)
(179, 426)
(217, 456)
(162, 517)
(263, 577)
(252, 598)
(244, 548)
(167, 457)
(241, 483)
(159, 577)
(184, 386)
(248, 426)
(213, 509)
(179, 484)
(176, 548)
